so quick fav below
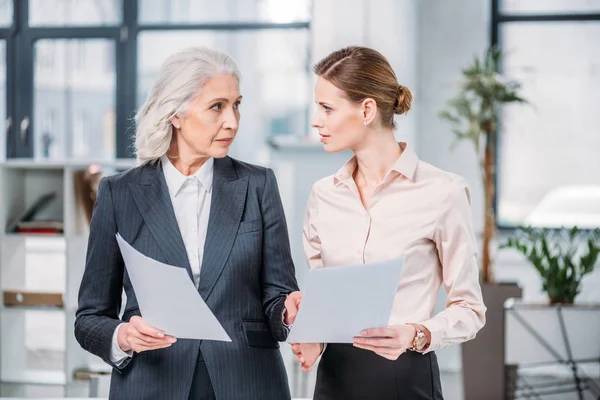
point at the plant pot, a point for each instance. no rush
(561, 300)
(484, 372)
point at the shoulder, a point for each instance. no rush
(259, 177)
(121, 180)
(245, 169)
(447, 185)
(323, 186)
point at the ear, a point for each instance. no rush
(369, 110)
(176, 121)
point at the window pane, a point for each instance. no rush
(202, 11)
(550, 6)
(549, 160)
(6, 12)
(275, 78)
(74, 12)
(3, 100)
(74, 99)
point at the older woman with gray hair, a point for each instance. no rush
(191, 206)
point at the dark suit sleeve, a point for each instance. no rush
(97, 316)
(278, 273)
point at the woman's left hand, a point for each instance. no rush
(292, 305)
(389, 342)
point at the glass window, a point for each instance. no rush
(74, 12)
(549, 6)
(6, 12)
(275, 78)
(203, 11)
(72, 100)
(549, 150)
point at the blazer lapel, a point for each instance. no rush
(227, 205)
(151, 195)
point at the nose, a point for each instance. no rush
(232, 119)
(316, 120)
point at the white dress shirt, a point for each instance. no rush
(190, 196)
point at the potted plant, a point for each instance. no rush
(561, 257)
(474, 116)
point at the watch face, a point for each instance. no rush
(421, 339)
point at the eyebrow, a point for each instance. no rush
(224, 100)
(322, 103)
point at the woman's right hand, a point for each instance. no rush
(307, 354)
(138, 336)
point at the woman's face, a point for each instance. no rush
(340, 122)
(211, 122)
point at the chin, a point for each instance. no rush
(220, 154)
(332, 148)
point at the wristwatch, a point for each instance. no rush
(419, 341)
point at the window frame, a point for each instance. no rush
(20, 39)
(498, 17)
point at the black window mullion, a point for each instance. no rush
(8, 126)
(547, 17)
(22, 91)
(72, 33)
(126, 79)
(226, 26)
(10, 123)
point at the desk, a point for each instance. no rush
(559, 338)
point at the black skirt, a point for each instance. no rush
(346, 372)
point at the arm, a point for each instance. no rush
(464, 315)
(100, 291)
(308, 353)
(278, 273)
(310, 235)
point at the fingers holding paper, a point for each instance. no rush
(138, 336)
(307, 354)
(388, 342)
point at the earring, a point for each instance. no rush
(365, 121)
(177, 126)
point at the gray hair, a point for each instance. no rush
(180, 79)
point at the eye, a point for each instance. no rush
(327, 109)
(217, 107)
(237, 104)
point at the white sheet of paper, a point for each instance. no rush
(168, 299)
(339, 302)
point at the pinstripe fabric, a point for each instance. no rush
(246, 273)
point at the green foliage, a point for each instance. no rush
(473, 112)
(562, 257)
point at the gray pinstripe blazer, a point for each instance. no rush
(246, 273)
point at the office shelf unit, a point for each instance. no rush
(37, 343)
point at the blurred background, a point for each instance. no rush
(73, 73)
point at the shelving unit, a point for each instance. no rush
(43, 263)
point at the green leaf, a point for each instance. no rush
(562, 257)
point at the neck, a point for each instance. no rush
(184, 160)
(376, 156)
